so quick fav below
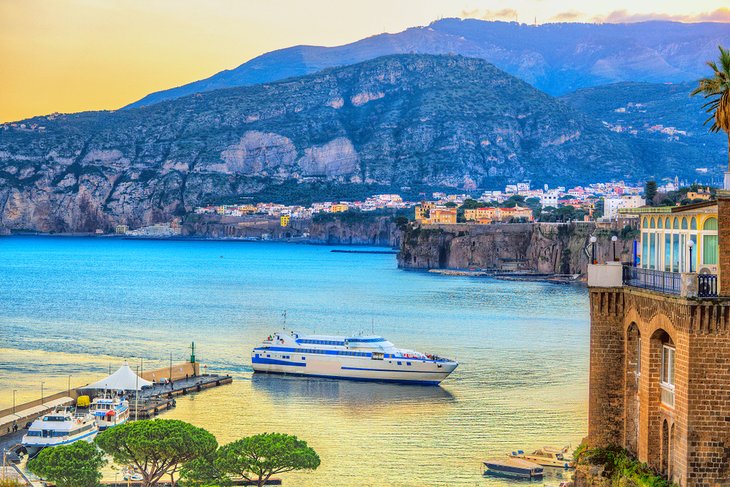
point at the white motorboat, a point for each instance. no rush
(109, 411)
(60, 427)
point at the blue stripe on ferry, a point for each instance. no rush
(271, 361)
(363, 379)
(391, 370)
(347, 353)
(92, 432)
(366, 340)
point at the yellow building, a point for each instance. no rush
(666, 233)
(284, 220)
(423, 210)
(339, 208)
(442, 215)
(480, 215)
(700, 194)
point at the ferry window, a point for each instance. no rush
(257, 355)
(304, 358)
(400, 363)
(408, 363)
(268, 355)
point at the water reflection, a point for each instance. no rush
(347, 392)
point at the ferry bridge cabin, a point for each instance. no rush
(660, 345)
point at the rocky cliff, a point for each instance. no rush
(331, 230)
(539, 247)
(401, 121)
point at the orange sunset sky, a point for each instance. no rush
(74, 55)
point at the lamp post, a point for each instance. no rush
(69, 385)
(613, 241)
(42, 384)
(690, 244)
(14, 391)
(593, 249)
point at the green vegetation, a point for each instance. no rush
(74, 465)
(620, 466)
(255, 458)
(716, 88)
(650, 192)
(9, 483)
(156, 447)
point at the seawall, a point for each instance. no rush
(559, 248)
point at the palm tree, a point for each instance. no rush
(717, 89)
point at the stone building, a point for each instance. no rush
(660, 345)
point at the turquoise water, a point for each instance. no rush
(75, 306)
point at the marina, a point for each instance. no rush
(485, 407)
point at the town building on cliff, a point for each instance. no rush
(660, 345)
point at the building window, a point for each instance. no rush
(645, 250)
(709, 249)
(693, 224)
(675, 252)
(684, 223)
(666, 377)
(651, 223)
(660, 223)
(676, 223)
(667, 252)
(652, 251)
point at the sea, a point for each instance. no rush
(73, 309)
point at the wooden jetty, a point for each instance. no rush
(162, 396)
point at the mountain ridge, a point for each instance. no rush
(556, 58)
(393, 122)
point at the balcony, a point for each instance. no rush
(665, 282)
(680, 284)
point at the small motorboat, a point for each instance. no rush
(513, 468)
(547, 457)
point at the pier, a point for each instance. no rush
(167, 383)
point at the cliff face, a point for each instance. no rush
(377, 230)
(410, 120)
(538, 247)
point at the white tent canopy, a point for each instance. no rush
(121, 380)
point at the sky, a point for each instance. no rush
(74, 55)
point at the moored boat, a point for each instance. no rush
(547, 457)
(109, 411)
(513, 468)
(60, 427)
(359, 358)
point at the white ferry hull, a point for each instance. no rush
(35, 446)
(403, 370)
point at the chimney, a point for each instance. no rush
(723, 232)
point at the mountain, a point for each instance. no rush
(661, 123)
(555, 58)
(413, 121)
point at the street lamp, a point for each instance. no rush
(69, 385)
(593, 250)
(690, 244)
(613, 240)
(42, 384)
(14, 391)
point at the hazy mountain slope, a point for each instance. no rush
(416, 121)
(556, 58)
(660, 121)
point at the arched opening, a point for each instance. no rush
(658, 371)
(670, 470)
(665, 449)
(633, 374)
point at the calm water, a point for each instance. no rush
(79, 306)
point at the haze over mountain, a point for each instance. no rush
(556, 58)
(414, 121)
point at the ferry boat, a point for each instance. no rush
(109, 411)
(547, 457)
(60, 427)
(359, 358)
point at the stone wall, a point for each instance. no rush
(689, 441)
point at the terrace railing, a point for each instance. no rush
(706, 285)
(666, 282)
